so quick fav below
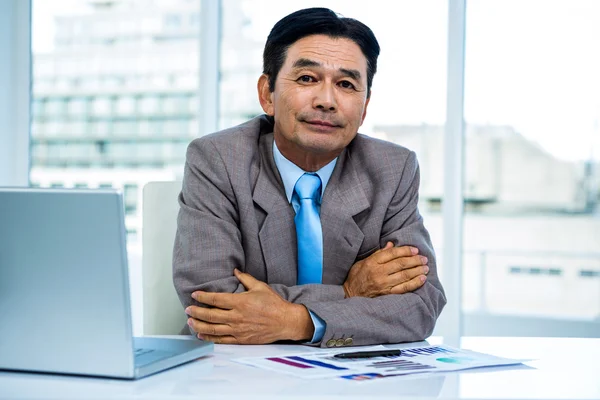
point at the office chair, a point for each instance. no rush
(162, 311)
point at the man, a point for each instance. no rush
(293, 226)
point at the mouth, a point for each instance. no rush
(321, 125)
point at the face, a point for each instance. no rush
(320, 99)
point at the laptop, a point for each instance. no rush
(64, 289)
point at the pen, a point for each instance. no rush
(369, 354)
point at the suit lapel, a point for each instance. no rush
(344, 198)
(276, 219)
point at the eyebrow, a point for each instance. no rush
(305, 62)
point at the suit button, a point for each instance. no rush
(348, 341)
(339, 343)
(330, 343)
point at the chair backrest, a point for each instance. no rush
(162, 311)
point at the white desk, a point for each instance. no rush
(565, 368)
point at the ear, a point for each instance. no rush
(365, 110)
(265, 95)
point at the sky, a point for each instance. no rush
(530, 64)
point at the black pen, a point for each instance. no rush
(369, 354)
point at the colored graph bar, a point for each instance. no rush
(424, 351)
(317, 363)
(288, 362)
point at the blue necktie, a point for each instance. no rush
(308, 230)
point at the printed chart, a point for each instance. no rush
(427, 359)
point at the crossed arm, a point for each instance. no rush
(383, 300)
(260, 315)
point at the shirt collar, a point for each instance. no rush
(290, 172)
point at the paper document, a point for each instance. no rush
(412, 360)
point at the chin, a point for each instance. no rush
(323, 146)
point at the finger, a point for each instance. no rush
(219, 339)
(213, 315)
(395, 252)
(409, 286)
(245, 279)
(205, 328)
(407, 274)
(388, 245)
(226, 301)
(403, 263)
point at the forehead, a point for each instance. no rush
(331, 52)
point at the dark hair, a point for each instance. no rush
(317, 21)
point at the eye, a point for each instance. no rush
(306, 79)
(346, 85)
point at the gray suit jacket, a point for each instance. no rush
(234, 213)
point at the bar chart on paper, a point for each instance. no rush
(424, 359)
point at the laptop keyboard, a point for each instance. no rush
(147, 356)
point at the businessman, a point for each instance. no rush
(292, 225)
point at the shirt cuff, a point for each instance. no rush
(319, 325)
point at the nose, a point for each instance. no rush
(325, 99)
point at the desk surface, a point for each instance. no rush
(564, 368)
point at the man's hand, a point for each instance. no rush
(391, 270)
(257, 316)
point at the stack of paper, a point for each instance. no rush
(425, 359)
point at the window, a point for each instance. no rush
(37, 107)
(175, 105)
(172, 20)
(55, 107)
(99, 77)
(54, 128)
(37, 128)
(100, 128)
(77, 106)
(101, 106)
(149, 104)
(532, 110)
(125, 128)
(175, 127)
(125, 105)
(194, 19)
(74, 128)
(130, 191)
